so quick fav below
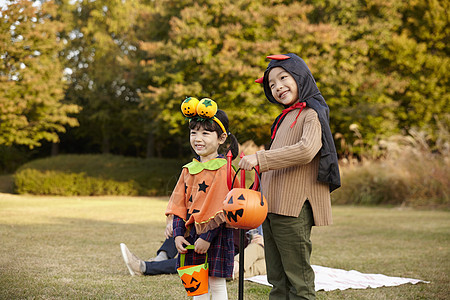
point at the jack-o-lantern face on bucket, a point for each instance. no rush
(196, 283)
(194, 278)
(244, 208)
(192, 284)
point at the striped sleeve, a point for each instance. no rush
(299, 153)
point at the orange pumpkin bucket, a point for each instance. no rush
(194, 278)
(245, 208)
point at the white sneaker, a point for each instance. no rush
(134, 263)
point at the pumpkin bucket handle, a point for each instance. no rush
(259, 178)
(190, 247)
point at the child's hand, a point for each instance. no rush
(248, 162)
(180, 241)
(201, 246)
(169, 230)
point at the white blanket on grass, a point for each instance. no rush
(329, 279)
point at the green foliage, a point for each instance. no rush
(375, 62)
(418, 53)
(382, 66)
(99, 52)
(211, 49)
(401, 80)
(97, 175)
(31, 78)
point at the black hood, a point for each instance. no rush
(309, 93)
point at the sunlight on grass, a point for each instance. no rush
(51, 210)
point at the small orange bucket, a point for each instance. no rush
(194, 278)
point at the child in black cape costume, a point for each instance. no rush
(309, 92)
(299, 170)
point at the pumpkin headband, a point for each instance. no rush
(204, 109)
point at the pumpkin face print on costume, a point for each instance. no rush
(206, 143)
(283, 86)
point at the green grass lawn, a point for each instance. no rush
(68, 248)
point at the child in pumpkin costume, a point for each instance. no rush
(300, 169)
(196, 202)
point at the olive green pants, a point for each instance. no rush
(287, 247)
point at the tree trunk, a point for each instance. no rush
(159, 152)
(180, 147)
(105, 144)
(150, 145)
(55, 149)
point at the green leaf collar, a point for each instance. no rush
(195, 167)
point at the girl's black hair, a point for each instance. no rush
(212, 126)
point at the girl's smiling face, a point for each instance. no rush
(283, 86)
(206, 143)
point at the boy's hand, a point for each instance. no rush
(201, 246)
(180, 241)
(248, 162)
(169, 230)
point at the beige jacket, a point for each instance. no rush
(290, 168)
(254, 261)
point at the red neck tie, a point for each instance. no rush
(300, 105)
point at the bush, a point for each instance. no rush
(97, 175)
(370, 184)
(30, 181)
(409, 174)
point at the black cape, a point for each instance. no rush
(309, 93)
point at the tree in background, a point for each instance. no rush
(419, 52)
(32, 106)
(382, 66)
(389, 67)
(99, 52)
(376, 63)
(209, 49)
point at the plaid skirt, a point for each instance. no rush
(220, 253)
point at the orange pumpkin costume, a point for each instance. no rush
(199, 194)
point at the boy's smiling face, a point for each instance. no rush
(283, 86)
